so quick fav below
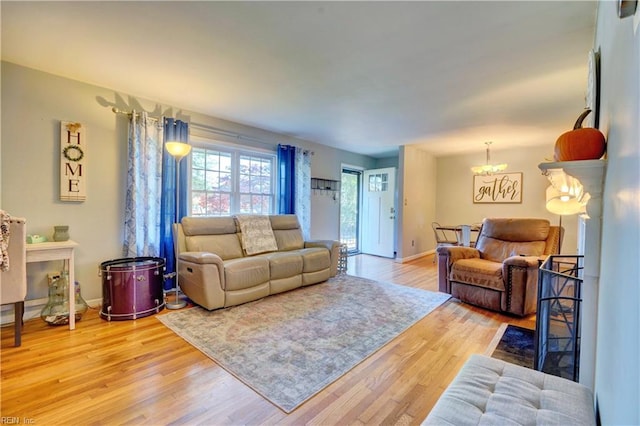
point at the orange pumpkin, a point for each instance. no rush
(581, 143)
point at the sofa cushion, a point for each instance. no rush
(284, 264)
(287, 231)
(212, 234)
(315, 259)
(245, 272)
(227, 246)
(208, 225)
(479, 272)
(284, 222)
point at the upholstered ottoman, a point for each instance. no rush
(489, 391)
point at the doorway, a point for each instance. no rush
(350, 196)
(379, 212)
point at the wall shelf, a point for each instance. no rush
(590, 173)
(325, 184)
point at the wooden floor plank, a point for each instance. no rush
(139, 372)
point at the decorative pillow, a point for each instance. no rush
(257, 235)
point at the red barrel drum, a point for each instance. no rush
(132, 287)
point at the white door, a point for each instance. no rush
(378, 212)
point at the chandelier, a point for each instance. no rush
(488, 169)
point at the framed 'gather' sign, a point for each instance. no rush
(497, 188)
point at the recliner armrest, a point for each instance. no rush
(458, 252)
(328, 244)
(447, 255)
(521, 283)
(334, 251)
(201, 257)
(202, 278)
(522, 261)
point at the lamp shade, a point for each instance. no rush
(178, 150)
(488, 169)
(563, 203)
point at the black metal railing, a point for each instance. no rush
(557, 345)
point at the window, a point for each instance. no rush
(378, 182)
(225, 181)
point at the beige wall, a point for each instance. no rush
(34, 103)
(416, 202)
(618, 337)
(454, 181)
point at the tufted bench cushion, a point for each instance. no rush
(489, 391)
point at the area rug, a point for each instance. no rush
(289, 346)
(516, 346)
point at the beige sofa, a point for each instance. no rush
(215, 270)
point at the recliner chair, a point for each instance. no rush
(501, 272)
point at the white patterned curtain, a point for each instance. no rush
(144, 187)
(303, 190)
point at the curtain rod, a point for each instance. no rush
(222, 132)
(130, 113)
(214, 130)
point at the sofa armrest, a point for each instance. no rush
(201, 278)
(201, 257)
(334, 251)
(328, 244)
(521, 281)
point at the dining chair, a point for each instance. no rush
(13, 278)
(464, 235)
(444, 237)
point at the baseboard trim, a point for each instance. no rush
(414, 257)
(32, 309)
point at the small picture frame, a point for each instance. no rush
(498, 188)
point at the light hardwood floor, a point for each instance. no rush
(139, 372)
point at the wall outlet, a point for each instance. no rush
(413, 243)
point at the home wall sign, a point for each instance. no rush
(497, 188)
(73, 154)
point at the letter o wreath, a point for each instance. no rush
(67, 152)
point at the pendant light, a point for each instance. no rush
(488, 169)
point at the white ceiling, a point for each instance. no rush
(362, 76)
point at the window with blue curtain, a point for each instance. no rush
(174, 130)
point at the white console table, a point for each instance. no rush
(58, 250)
